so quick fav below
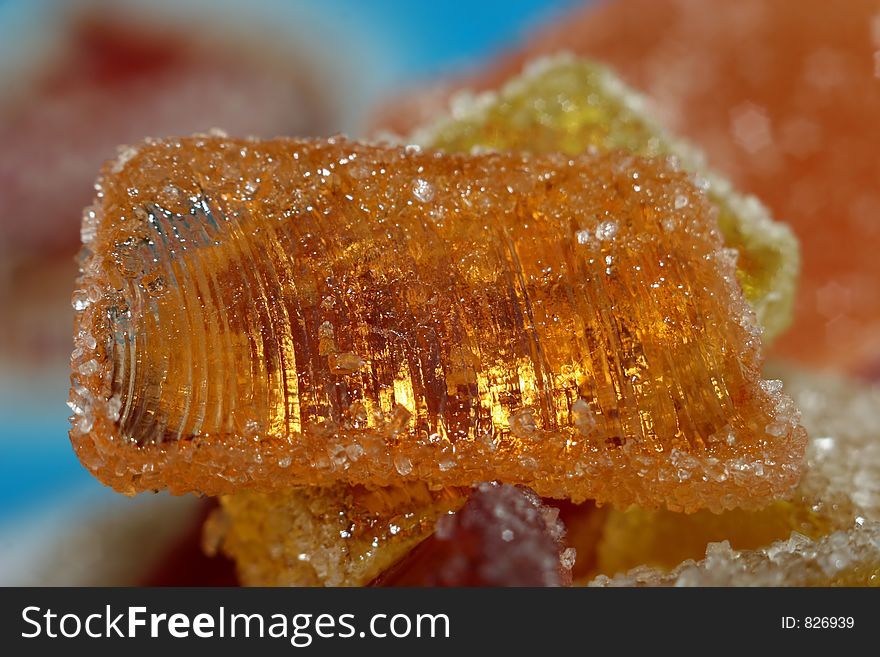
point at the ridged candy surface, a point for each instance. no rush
(271, 314)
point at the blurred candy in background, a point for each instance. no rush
(80, 79)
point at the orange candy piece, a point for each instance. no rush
(282, 313)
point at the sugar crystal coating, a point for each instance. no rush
(843, 558)
(572, 105)
(827, 531)
(502, 536)
(281, 313)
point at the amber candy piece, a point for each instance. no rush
(280, 313)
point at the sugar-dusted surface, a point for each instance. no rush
(834, 512)
(843, 558)
(502, 536)
(571, 105)
(271, 314)
(331, 536)
(841, 478)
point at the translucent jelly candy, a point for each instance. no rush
(502, 536)
(825, 532)
(570, 105)
(330, 536)
(281, 313)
